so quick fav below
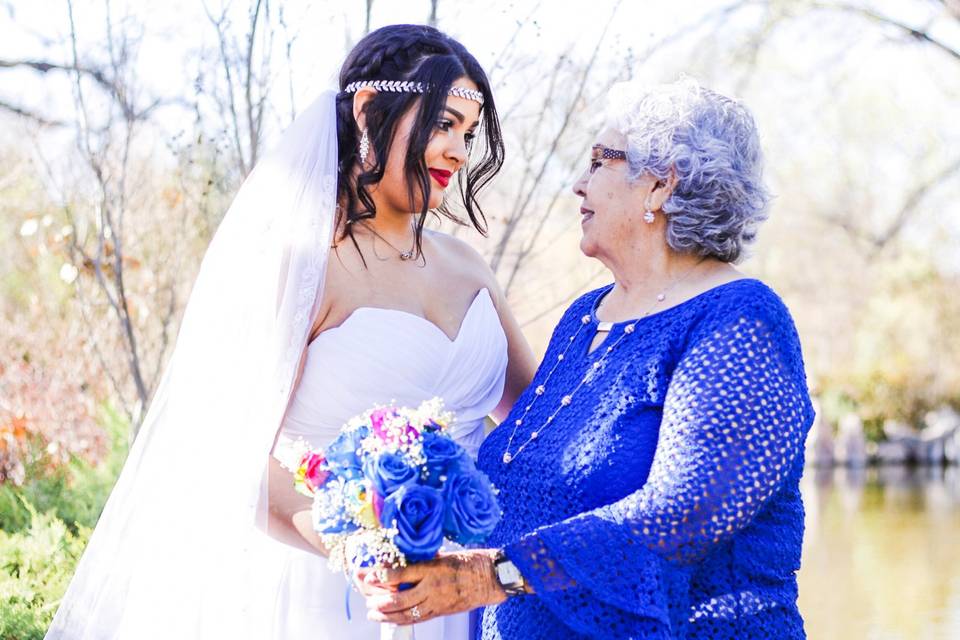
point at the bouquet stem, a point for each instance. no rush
(390, 631)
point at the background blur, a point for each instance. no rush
(126, 126)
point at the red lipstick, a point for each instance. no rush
(441, 175)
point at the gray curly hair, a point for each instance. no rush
(711, 142)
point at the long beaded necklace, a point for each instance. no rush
(592, 370)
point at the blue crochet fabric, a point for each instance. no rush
(663, 501)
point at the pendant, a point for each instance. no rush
(507, 458)
(406, 255)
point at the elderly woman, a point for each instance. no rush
(649, 475)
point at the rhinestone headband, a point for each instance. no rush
(410, 86)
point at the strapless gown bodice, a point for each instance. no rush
(386, 356)
(377, 357)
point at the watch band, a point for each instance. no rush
(508, 576)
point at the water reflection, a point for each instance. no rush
(881, 557)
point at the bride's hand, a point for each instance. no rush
(451, 583)
(368, 584)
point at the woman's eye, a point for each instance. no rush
(594, 165)
(444, 125)
(469, 137)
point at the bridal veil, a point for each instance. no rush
(180, 549)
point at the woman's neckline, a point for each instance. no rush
(484, 292)
(606, 289)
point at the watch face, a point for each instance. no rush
(507, 573)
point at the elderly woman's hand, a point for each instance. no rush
(451, 583)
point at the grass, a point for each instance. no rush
(44, 527)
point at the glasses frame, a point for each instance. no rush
(599, 153)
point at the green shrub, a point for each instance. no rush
(35, 568)
(44, 526)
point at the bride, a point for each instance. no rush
(320, 296)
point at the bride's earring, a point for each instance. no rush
(364, 147)
(648, 217)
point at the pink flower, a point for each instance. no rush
(377, 501)
(380, 425)
(376, 421)
(312, 473)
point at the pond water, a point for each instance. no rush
(881, 557)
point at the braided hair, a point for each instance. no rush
(421, 54)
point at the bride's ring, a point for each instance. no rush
(415, 612)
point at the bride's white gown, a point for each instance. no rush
(380, 356)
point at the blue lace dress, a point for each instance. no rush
(662, 501)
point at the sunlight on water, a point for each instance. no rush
(881, 556)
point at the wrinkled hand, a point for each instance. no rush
(451, 583)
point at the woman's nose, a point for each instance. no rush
(457, 150)
(580, 186)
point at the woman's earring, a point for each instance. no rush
(648, 217)
(364, 147)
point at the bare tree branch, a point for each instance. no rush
(754, 45)
(567, 117)
(43, 66)
(41, 120)
(247, 88)
(253, 124)
(508, 48)
(288, 52)
(366, 23)
(94, 340)
(110, 228)
(911, 204)
(218, 25)
(527, 252)
(913, 32)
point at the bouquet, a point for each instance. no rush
(392, 487)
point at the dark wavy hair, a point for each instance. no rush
(421, 54)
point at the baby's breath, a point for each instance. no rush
(289, 453)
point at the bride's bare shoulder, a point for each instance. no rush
(463, 259)
(460, 253)
(344, 281)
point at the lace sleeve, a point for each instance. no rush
(733, 425)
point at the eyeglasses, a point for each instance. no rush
(599, 153)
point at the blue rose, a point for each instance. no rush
(444, 457)
(472, 512)
(417, 512)
(342, 455)
(331, 506)
(389, 471)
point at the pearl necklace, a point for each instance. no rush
(566, 400)
(592, 370)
